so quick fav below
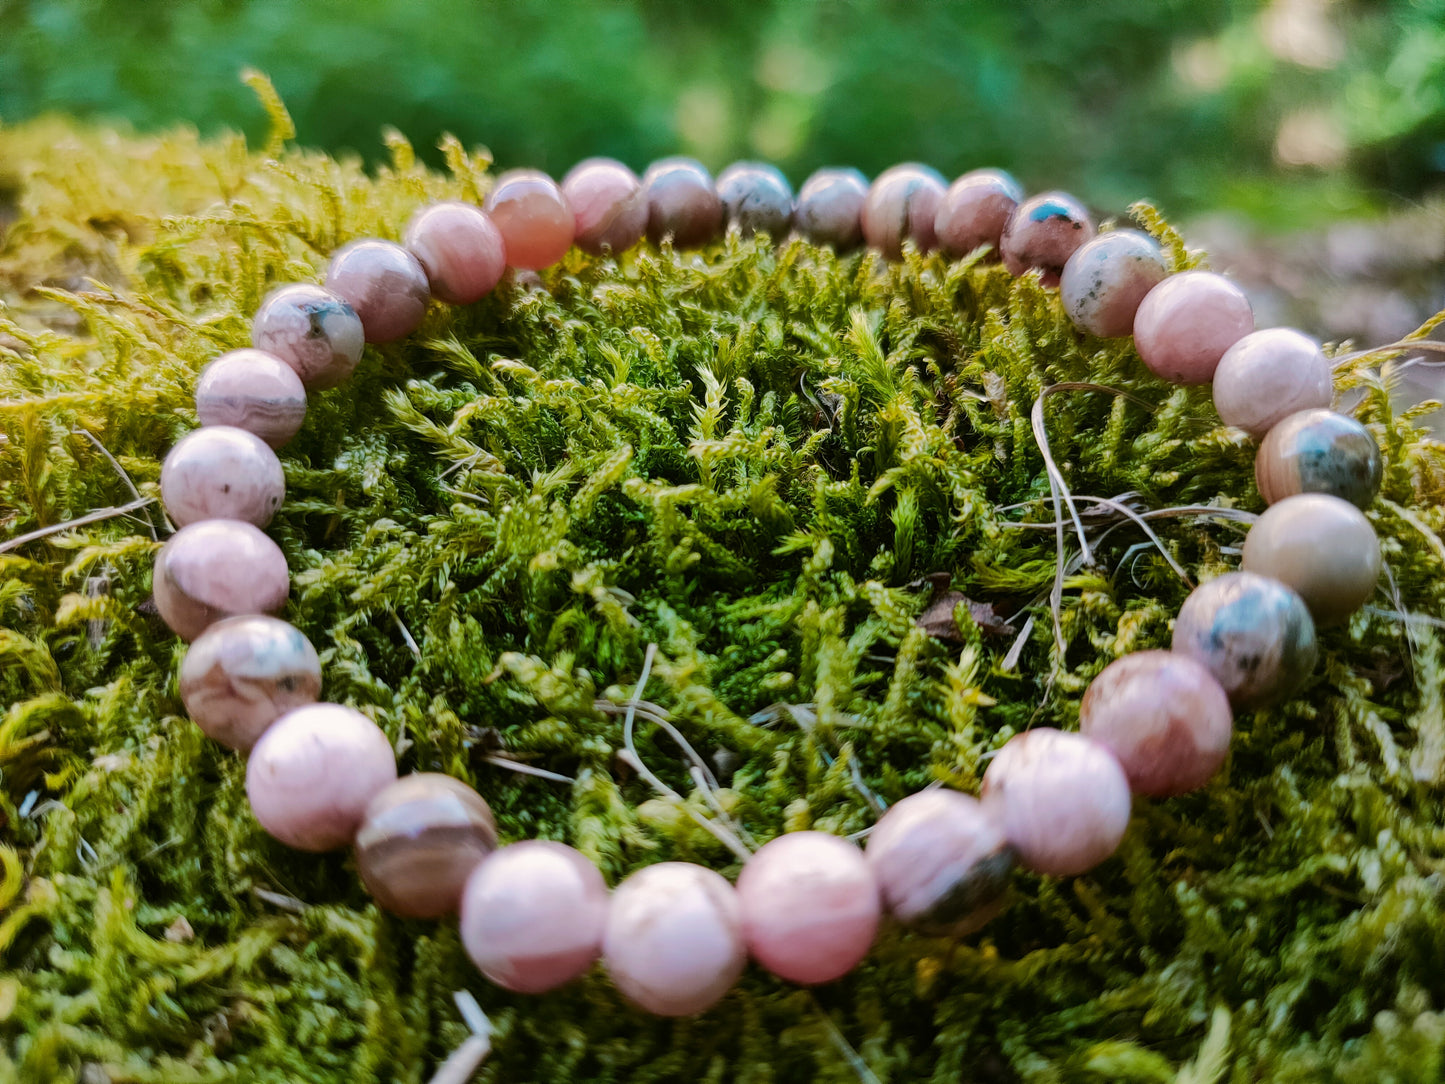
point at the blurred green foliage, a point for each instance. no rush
(1292, 111)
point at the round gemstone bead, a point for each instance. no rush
(941, 861)
(533, 216)
(1063, 800)
(460, 249)
(902, 203)
(419, 841)
(244, 673)
(1106, 279)
(810, 907)
(312, 330)
(254, 391)
(681, 203)
(310, 777)
(221, 472)
(1267, 376)
(756, 196)
(1042, 233)
(532, 916)
(1254, 634)
(1322, 547)
(609, 208)
(974, 211)
(1318, 451)
(829, 208)
(674, 942)
(1186, 323)
(384, 283)
(1165, 718)
(217, 568)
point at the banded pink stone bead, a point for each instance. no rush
(902, 203)
(974, 211)
(1106, 279)
(217, 568)
(221, 472)
(756, 196)
(311, 775)
(460, 249)
(829, 208)
(673, 943)
(810, 907)
(1186, 323)
(681, 203)
(533, 915)
(312, 330)
(1042, 233)
(1321, 546)
(1267, 376)
(254, 391)
(533, 216)
(609, 208)
(384, 284)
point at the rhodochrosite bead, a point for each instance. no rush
(1186, 323)
(1164, 716)
(810, 907)
(1043, 233)
(419, 841)
(217, 568)
(756, 196)
(902, 203)
(254, 391)
(974, 211)
(244, 673)
(674, 943)
(221, 472)
(609, 208)
(1252, 633)
(312, 330)
(533, 217)
(1321, 546)
(1319, 451)
(1267, 376)
(532, 916)
(829, 208)
(384, 284)
(941, 861)
(311, 775)
(1063, 800)
(1106, 278)
(460, 249)
(681, 203)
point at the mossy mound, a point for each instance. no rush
(759, 460)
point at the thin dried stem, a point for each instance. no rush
(80, 521)
(527, 769)
(124, 477)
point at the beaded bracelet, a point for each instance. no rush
(675, 936)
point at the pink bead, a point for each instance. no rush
(312, 330)
(533, 215)
(217, 568)
(810, 907)
(1186, 323)
(460, 248)
(532, 916)
(902, 204)
(1164, 716)
(254, 391)
(1267, 376)
(1042, 233)
(384, 284)
(608, 205)
(1106, 279)
(974, 211)
(222, 472)
(681, 203)
(311, 775)
(1063, 799)
(674, 942)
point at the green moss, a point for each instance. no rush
(744, 457)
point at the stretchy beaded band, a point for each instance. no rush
(675, 936)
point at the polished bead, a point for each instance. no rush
(533, 215)
(941, 861)
(313, 773)
(244, 673)
(1063, 800)
(221, 472)
(1163, 716)
(460, 249)
(674, 942)
(1318, 451)
(1269, 375)
(312, 330)
(829, 208)
(902, 204)
(1042, 233)
(384, 284)
(609, 208)
(974, 211)
(756, 196)
(419, 841)
(253, 391)
(681, 203)
(217, 568)
(810, 907)
(532, 916)
(1186, 323)
(1322, 547)
(1106, 278)
(1254, 634)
